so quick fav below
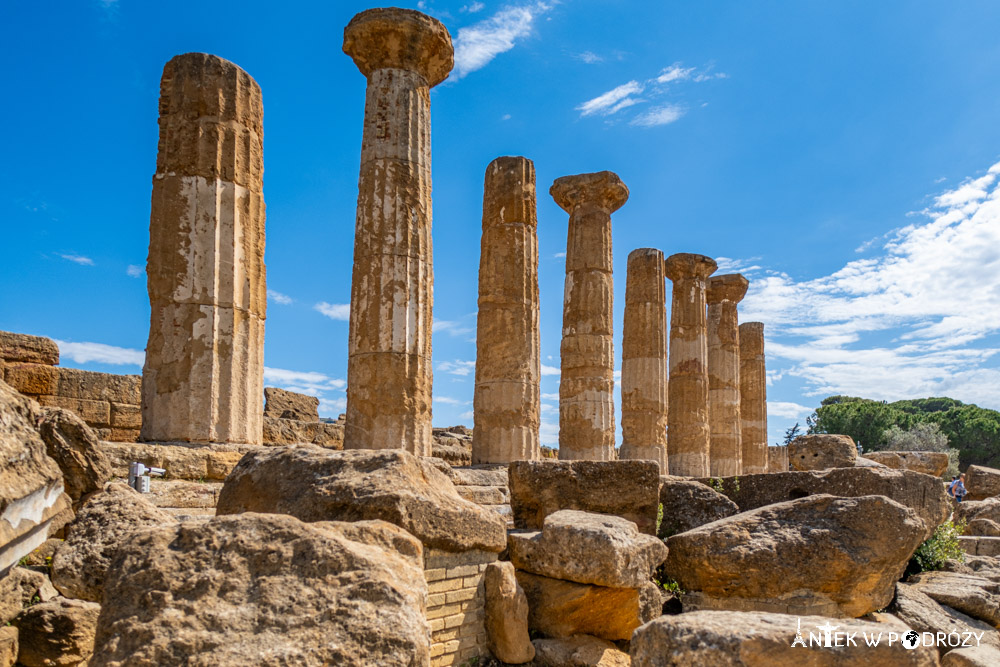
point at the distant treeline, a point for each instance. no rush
(877, 425)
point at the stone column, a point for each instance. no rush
(644, 360)
(403, 54)
(586, 386)
(203, 377)
(753, 398)
(724, 292)
(688, 434)
(507, 395)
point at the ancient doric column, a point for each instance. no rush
(688, 435)
(753, 398)
(724, 292)
(403, 54)
(203, 378)
(507, 398)
(586, 388)
(644, 360)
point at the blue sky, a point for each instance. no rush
(839, 154)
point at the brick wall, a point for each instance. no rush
(455, 605)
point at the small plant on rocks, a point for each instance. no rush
(940, 547)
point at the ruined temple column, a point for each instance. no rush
(644, 360)
(688, 434)
(203, 377)
(507, 395)
(586, 386)
(403, 54)
(724, 292)
(753, 398)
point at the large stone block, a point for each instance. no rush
(286, 404)
(317, 484)
(22, 348)
(20, 588)
(89, 385)
(75, 448)
(96, 414)
(260, 589)
(8, 646)
(281, 431)
(579, 651)
(507, 615)
(57, 632)
(923, 614)
(929, 463)
(972, 594)
(688, 504)
(206, 462)
(982, 482)
(33, 379)
(821, 451)
(629, 489)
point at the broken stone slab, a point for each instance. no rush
(928, 463)
(454, 454)
(970, 510)
(983, 528)
(317, 484)
(57, 632)
(284, 431)
(629, 489)
(765, 639)
(970, 594)
(181, 461)
(75, 448)
(103, 523)
(841, 556)
(266, 589)
(558, 608)
(483, 495)
(484, 476)
(777, 458)
(20, 588)
(982, 482)
(821, 451)
(285, 404)
(980, 546)
(972, 656)
(15, 347)
(588, 548)
(922, 493)
(921, 613)
(506, 615)
(688, 504)
(8, 646)
(579, 651)
(183, 494)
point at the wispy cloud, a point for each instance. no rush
(79, 259)
(447, 400)
(329, 390)
(284, 299)
(134, 270)
(787, 409)
(457, 367)
(83, 353)
(451, 327)
(473, 8)
(335, 311)
(609, 102)
(675, 72)
(560, 255)
(664, 115)
(589, 57)
(478, 44)
(550, 370)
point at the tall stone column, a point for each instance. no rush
(688, 434)
(203, 377)
(403, 54)
(753, 398)
(507, 396)
(644, 360)
(724, 292)
(586, 386)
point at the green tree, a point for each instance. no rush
(791, 433)
(923, 437)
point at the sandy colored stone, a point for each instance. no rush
(22, 348)
(969, 511)
(980, 545)
(8, 646)
(178, 494)
(972, 656)
(689, 436)
(403, 54)
(579, 651)
(629, 489)
(32, 379)
(281, 431)
(204, 367)
(506, 615)
(753, 398)
(777, 458)
(723, 293)
(90, 385)
(736, 639)
(194, 462)
(974, 595)
(929, 463)
(921, 613)
(285, 404)
(644, 360)
(507, 398)
(587, 355)
(688, 504)
(841, 556)
(20, 588)
(821, 451)
(75, 448)
(983, 528)
(56, 633)
(316, 484)
(258, 589)
(982, 482)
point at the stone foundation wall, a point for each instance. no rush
(777, 458)
(456, 605)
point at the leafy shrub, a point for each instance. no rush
(942, 546)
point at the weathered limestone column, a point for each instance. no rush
(586, 386)
(507, 399)
(688, 434)
(753, 398)
(404, 54)
(644, 360)
(203, 376)
(724, 292)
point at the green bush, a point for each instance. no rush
(942, 546)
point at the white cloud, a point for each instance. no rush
(787, 409)
(451, 327)
(134, 270)
(467, 415)
(473, 8)
(610, 102)
(559, 255)
(478, 44)
(674, 73)
(79, 259)
(335, 311)
(506, 116)
(83, 353)
(664, 115)
(550, 397)
(329, 390)
(550, 370)
(548, 433)
(447, 400)
(729, 265)
(457, 367)
(284, 299)
(589, 57)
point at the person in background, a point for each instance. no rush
(958, 489)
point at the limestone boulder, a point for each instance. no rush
(56, 633)
(558, 608)
(76, 449)
(316, 484)
(588, 548)
(629, 489)
(921, 613)
(777, 458)
(103, 523)
(862, 462)
(928, 463)
(284, 431)
(196, 462)
(15, 347)
(821, 451)
(21, 588)
(31, 483)
(688, 504)
(285, 404)
(506, 615)
(838, 556)
(735, 639)
(579, 651)
(972, 656)
(922, 493)
(982, 482)
(973, 595)
(452, 452)
(8, 646)
(983, 528)
(265, 589)
(970, 510)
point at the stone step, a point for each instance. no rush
(980, 546)
(492, 476)
(484, 495)
(183, 494)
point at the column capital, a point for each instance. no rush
(728, 287)
(687, 265)
(400, 39)
(603, 190)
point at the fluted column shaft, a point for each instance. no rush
(753, 398)
(723, 295)
(507, 395)
(203, 374)
(644, 360)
